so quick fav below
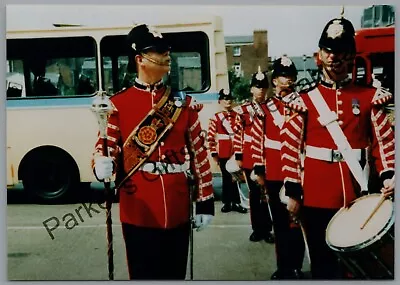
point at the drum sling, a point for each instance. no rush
(144, 139)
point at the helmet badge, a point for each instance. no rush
(285, 61)
(260, 76)
(154, 32)
(335, 29)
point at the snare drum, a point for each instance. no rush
(367, 253)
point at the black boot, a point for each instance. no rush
(255, 236)
(269, 238)
(226, 208)
(238, 208)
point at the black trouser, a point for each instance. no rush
(324, 262)
(230, 192)
(156, 254)
(259, 213)
(289, 242)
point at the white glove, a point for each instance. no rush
(103, 166)
(202, 221)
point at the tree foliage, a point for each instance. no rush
(239, 86)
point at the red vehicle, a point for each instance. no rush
(374, 65)
(375, 56)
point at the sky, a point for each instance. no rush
(292, 30)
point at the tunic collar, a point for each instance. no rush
(148, 87)
(335, 85)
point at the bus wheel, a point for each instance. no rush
(50, 175)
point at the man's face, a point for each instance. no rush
(226, 104)
(284, 85)
(155, 62)
(335, 64)
(258, 94)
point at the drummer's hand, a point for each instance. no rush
(260, 179)
(388, 187)
(216, 159)
(239, 163)
(293, 206)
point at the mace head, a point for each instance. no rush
(102, 108)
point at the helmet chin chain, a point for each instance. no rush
(155, 61)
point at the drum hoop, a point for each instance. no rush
(366, 243)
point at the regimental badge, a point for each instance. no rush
(226, 92)
(285, 61)
(335, 29)
(148, 134)
(260, 76)
(154, 32)
(134, 46)
(356, 106)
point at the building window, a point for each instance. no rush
(236, 51)
(237, 69)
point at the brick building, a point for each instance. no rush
(245, 53)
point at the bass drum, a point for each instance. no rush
(367, 253)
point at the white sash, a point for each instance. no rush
(328, 119)
(278, 118)
(226, 124)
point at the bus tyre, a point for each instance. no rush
(50, 175)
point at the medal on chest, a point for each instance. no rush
(355, 105)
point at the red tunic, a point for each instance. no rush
(221, 133)
(329, 184)
(266, 143)
(154, 200)
(243, 137)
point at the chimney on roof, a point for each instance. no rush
(260, 38)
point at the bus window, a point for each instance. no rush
(190, 66)
(361, 71)
(15, 82)
(49, 67)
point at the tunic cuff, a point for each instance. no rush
(205, 207)
(259, 170)
(239, 156)
(293, 190)
(386, 175)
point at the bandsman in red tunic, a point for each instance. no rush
(220, 140)
(259, 214)
(154, 200)
(328, 183)
(266, 146)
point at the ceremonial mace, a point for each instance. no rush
(102, 108)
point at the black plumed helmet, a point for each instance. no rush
(259, 79)
(143, 38)
(338, 36)
(225, 94)
(283, 66)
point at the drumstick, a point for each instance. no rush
(383, 198)
(305, 242)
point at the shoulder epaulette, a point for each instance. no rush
(295, 102)
(381, 96)
(193, 104)
(238, 109)
(119, 92)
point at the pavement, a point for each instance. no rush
(222, 251)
